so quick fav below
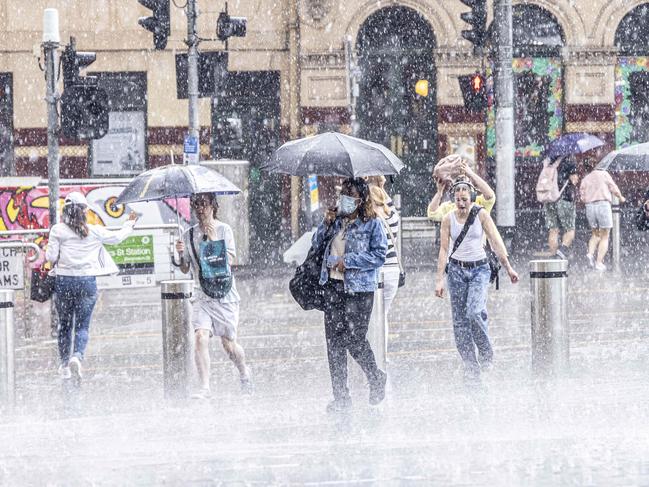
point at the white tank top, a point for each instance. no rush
(471, 248)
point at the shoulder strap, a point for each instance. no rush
(193, 246)
(394, 242)
(469, 221)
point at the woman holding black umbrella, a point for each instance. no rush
(354, 253)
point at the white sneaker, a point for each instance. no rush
(202, 393)
(75, 367)
(64, 372)
(591, 260)
(600, 267)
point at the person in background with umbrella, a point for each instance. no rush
(351, 260)
(76, 250)
(596, 190)
(216, 308)
(560, 215)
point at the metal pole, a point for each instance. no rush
(352, 84)
(504, 91)
(615, 234)
(7, 370)
(294, 107)
(192, 69)
(550, 340)
(51, 98)
(177, 337)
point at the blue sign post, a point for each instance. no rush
(190, 150)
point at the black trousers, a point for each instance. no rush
(346, 318)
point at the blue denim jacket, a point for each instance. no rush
(365, 249)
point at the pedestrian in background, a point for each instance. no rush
(391, 269)
(468, 277)
(351, 260)
(642, 217)
(560, 215)
(215, 311)
(438, 209)
(76, 253)
(597, 189)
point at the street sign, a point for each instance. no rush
(190, 150)
(134, 252)
(313, 192)
(11, 268)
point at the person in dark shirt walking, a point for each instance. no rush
(560, 215)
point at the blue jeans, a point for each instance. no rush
(468, 290)
(75, 300)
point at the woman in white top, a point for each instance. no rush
(389, 217)
(76, 251)
(468, 277)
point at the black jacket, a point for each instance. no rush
(642, 220)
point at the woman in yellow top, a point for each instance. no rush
(438, 210)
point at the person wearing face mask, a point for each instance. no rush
(468, 276)
(355, 252)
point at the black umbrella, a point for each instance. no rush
(333, 154)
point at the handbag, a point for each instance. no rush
(305, 285)
(494, 265)
(42, 286)
(402, 273)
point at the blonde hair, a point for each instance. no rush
(380, 198)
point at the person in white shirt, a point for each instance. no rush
(76, 253)
(216, 308)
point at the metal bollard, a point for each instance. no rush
(550, 340)
(7, 370)
(177, 337)
(377, 333)
(615, 234)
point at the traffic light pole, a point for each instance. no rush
(504, 95)
(50, 49)
(192, 69)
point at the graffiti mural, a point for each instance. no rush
(27, 207)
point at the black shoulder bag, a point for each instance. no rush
(305, 285)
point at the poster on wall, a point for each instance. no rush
(121, 151)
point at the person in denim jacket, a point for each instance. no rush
(354, 253)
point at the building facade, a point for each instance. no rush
(319, 65)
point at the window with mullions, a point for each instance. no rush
(538, 89)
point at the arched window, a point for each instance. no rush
(632, 78)
(632, 35)
(538, 93)
(395, 50)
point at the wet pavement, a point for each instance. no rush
(587, 428)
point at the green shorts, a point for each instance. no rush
(560, 214)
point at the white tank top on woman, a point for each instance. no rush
(471, 248)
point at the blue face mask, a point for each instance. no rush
(347, 205)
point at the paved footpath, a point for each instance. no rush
(589, 428)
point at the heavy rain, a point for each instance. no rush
(324, 243)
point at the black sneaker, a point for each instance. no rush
(340, 405)
(377, 388)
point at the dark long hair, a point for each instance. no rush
(365, 209)
(75, 217)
